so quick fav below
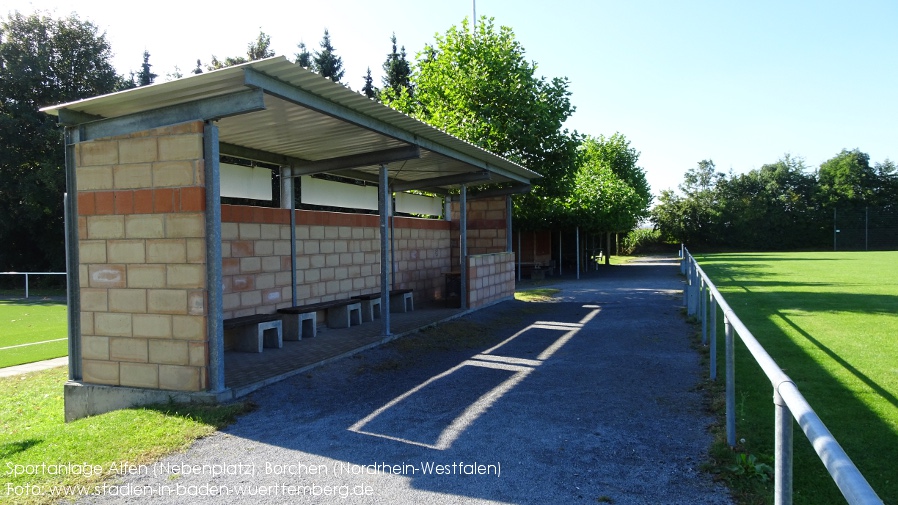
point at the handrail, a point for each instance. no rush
(26, 274)
(788, 401)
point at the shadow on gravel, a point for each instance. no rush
(591, 398)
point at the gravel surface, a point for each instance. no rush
(589, 399)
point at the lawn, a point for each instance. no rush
(829, 320)
(31, 322)
(89, 450)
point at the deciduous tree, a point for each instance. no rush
(481, 88)
(43, 61)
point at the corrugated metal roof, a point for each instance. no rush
(308, 117)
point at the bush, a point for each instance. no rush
(642, 241)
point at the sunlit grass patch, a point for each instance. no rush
(537, 295)
(829, 321)
(29, 323)
(33, 433)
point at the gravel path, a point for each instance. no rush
(589, 399)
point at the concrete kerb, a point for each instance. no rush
(11, 371)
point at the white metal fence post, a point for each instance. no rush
(730, 383)
(782, 471)
(703, 309)
(713, 336)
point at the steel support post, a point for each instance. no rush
(214, 329)
(463, 245)
(73, 282)
(383, 201)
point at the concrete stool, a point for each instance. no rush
(344, 315)
(299, 325)
(371, 307)
(402, 300)
(252, 333)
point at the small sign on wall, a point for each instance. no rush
(245, 182)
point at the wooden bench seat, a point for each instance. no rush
(252, 333)
(401, 300)
(301, 321)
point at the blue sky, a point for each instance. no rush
(740, 83)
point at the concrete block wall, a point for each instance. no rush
(486, 227)
(142, 253)
(491, 277)
(337, 255)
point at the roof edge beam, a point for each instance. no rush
(357, 160)
(441, 181)
(249, 153)
(69, 117)
(358, 175)
(204, 109)
(281, 89)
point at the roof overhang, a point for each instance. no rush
(277, 112)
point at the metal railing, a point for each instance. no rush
(702, 300)
(26, 274)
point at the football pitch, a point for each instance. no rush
(32, 331)
(830, 320)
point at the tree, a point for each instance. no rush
(847, 179)
(303, 57)
(255, 50)
(694, 217)
(611, 193)
(43, 61)
(397, 74)
(145, 77)
(481, 88)
(368, 89)
(260, 48)
(326, 62)
(773, 207)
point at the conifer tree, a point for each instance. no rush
(397, 72)
(303, 57)
(369, 90)
(145, 77)
(326, 62)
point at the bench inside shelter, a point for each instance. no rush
(536, 270)
(302, 320)
(252, 333)
(371, 306)
(402, 300)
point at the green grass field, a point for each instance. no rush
(41, 325)
(830, 320)
(33, 432)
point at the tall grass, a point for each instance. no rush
(829, 320)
